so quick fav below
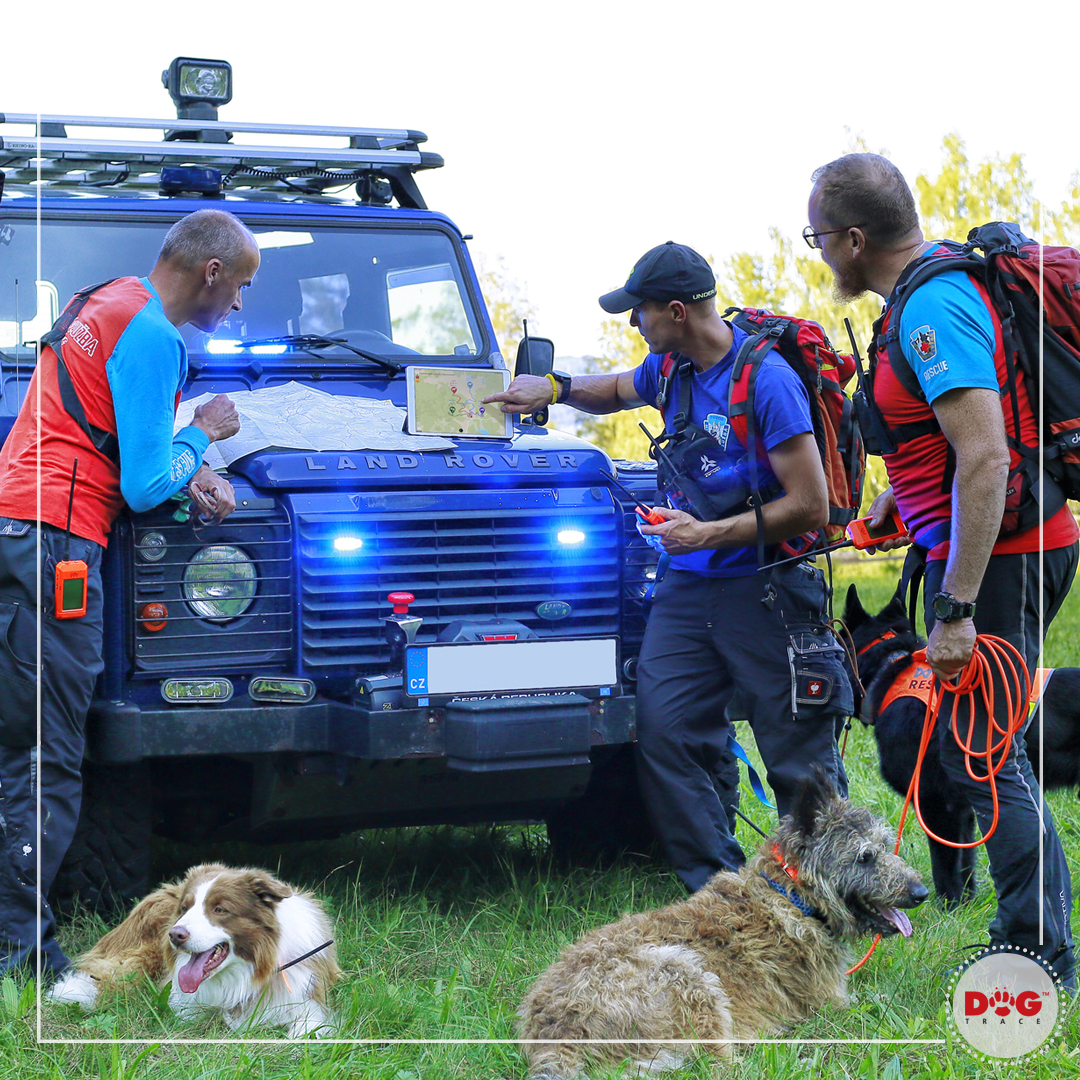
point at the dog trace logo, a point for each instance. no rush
(1005, 1003)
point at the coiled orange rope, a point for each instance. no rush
(991, 655)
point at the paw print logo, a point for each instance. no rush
(1002, 1002)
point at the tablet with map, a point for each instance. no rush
(447, 401)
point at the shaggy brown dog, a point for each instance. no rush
(231, 941)
(743, 957)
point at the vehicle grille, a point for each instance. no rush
(459, 564)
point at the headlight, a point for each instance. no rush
(219, 583)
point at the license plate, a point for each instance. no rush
(481, 667)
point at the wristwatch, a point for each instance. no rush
(947, 608)
(564, 384)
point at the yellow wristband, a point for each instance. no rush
(554, 387)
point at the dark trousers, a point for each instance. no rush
(70, 663)
(707, 638)
(1008, 607)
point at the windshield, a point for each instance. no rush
(394, 292)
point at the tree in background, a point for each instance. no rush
(793, 279)
(618, 433)
(506, 303)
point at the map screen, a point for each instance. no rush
(446, 401)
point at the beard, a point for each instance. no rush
(848, 285)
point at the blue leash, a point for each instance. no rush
(755, 780)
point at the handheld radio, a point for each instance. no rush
(651, 516)
(71, 574)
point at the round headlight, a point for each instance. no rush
(219, 583)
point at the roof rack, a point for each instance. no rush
(58, 160)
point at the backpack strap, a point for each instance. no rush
(741, 414)
(674, 363)
(105, 442)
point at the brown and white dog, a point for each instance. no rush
(230, 941)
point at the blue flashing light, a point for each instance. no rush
(571, 537)
(348, 543)
(225, 347)
(222, 347)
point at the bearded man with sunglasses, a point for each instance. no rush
(953, 456)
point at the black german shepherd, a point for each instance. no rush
(897, 731)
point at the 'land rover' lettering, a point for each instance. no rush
(373, 462)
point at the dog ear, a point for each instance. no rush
(854, 613)
(268, 890)
(814, 794)
(896, 608)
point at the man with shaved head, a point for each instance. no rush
(95, 432)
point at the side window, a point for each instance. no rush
(426, 312)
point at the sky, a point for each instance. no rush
(578, 135)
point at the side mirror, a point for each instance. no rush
(535, 356)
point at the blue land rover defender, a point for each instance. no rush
(259, 683)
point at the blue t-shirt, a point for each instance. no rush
(947, 335)
(147, 368)
(781, 411)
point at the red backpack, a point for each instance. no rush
(1035, 292)
(824, 372)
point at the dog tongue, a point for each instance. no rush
(193, 973)
(898, 919)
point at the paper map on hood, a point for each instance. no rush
(297, 417)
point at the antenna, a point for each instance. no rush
(71, 503)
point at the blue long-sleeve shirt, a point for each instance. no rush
(146, 372)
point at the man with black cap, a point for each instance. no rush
(709, 632)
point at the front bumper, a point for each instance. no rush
(472, 734)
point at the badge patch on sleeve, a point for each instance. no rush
(924, 342)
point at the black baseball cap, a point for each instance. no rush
(668, 272)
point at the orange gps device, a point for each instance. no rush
(71, 589)
(71, 573)
(863, 535)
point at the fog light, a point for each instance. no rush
(267, 689)
(153, 617)
(196, 691)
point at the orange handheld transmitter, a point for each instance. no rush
(863, 535)
(71, 574)
(651, 516)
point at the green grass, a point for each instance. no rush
(441, 932)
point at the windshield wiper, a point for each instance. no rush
(307, 342)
